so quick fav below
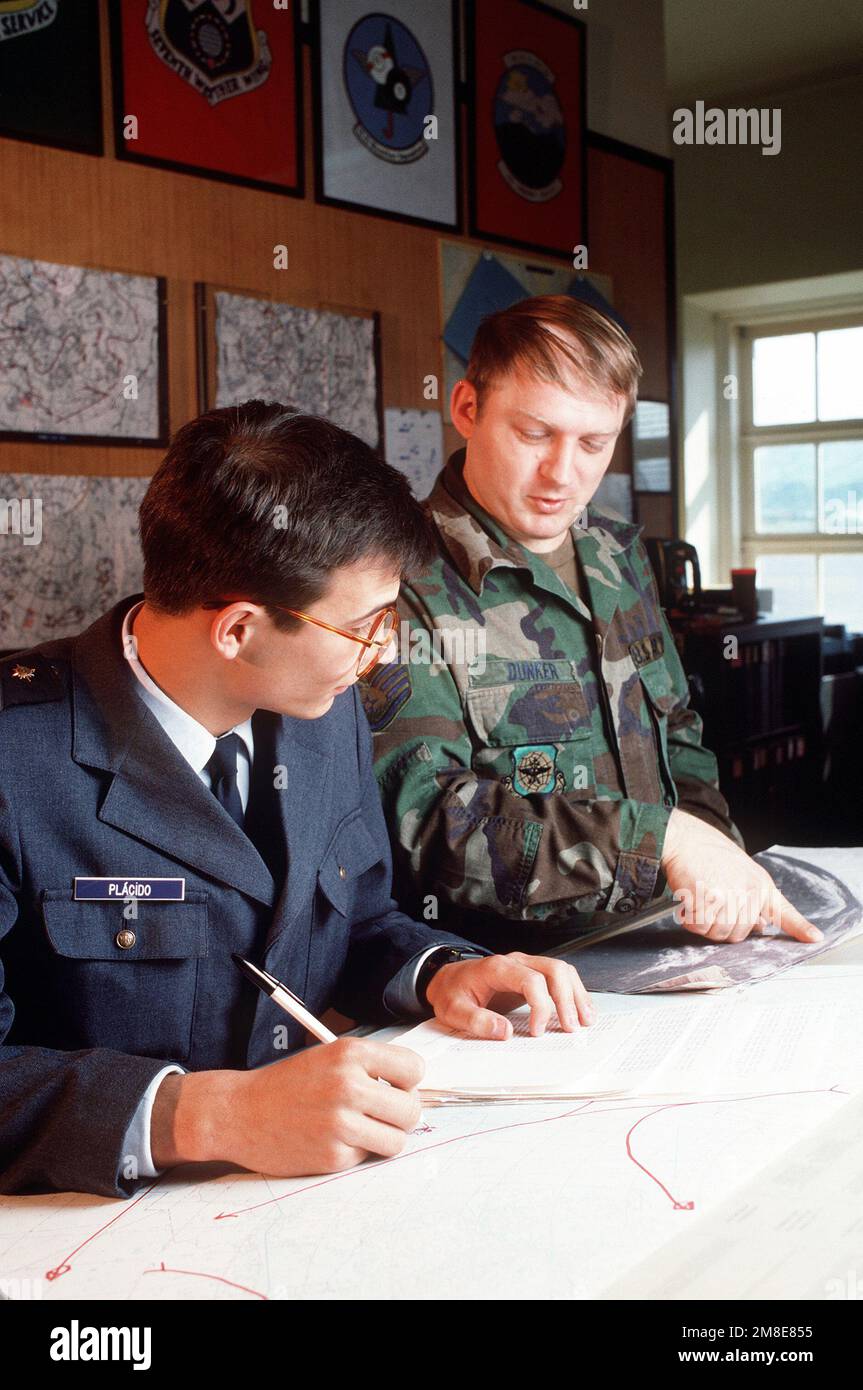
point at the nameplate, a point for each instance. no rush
(118, 890)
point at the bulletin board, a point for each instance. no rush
(536, 274)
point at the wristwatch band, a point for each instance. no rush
(444, 955)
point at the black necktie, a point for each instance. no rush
(222, 768)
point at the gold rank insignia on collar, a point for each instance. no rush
(31, 682)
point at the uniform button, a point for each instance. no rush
(343, 873)
(125, 939)
(667, 801)
(626, 904)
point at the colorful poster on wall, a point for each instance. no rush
(315, 360)
(385, 109)
(210, 87)
(50, 83)
(82, 354)
(527, 122)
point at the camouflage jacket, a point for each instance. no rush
(529, 749)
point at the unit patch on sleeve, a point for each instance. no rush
(383, 693)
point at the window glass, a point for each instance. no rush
(785, 488)
(783, 379)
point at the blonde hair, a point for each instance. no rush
(543, 333)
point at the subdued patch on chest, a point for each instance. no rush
(535, 771)
(645, 649)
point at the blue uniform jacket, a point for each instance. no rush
(91, 785)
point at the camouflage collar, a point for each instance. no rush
(477, 544)
(474, 540)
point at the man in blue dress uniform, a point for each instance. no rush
(190, 778)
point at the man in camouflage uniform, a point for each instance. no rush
(529, 780)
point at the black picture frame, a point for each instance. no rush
(95, 145)
(205, 343)
(664, 165)
(158, 441)
(347, 205)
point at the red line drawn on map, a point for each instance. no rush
(202, 1274)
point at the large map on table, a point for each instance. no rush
(79, 351)
(319, 362)
(78, 554)
(533, 1201)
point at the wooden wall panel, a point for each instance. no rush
(628, 231)
(631, 237)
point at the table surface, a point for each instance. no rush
(611, 1198)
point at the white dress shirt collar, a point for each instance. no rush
(191, 738)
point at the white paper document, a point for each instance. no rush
(673, 1047)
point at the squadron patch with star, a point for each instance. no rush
(388, 82)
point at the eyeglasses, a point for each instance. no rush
(381, 634)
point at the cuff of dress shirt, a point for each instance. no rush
(136, 1145)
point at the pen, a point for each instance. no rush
(284, 997)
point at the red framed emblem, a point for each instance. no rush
(527, 85)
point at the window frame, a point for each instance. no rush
(750, 436)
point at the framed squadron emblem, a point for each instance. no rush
(210, 87)
(50, 84)
(387, 130)
(527, 84)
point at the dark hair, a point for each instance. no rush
(262, 502)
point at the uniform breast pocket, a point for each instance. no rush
(350, 880)
(124, 982)
(535, 735)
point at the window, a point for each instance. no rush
(802, 457)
